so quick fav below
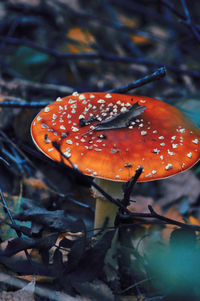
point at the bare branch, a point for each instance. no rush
(171, 221)
(185, 18)
(16, 102)
(13, 222)
(110, 57)
(23, 84)
(129, 186)
(189, 21)
(158, 74)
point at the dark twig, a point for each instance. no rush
(154, 215)
(110, 57)
(189, 21)
(8, 210)
(171, 221)
(13, 223)
(108, 197)
(24, 85)
(173, 35)
(33, 45)
(134, 285)
(129, 187)
(167, 220)
(3, 44)
(184, 18)
(173, 9)
(158, 74)
(16, 102)
(14, 156)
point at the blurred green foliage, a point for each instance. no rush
(30, 63)
(175, 269)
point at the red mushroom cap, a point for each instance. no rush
(161, 139)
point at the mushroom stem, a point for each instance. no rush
(106, 211)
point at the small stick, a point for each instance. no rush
(171, 221)
(23, 85)
(183, 18)
(13, 222)
(155, 215)
(8, 210)
(173, 9)
(158, 74)
(129, 186)
(16, 102)
(189, 21)
(65, 57)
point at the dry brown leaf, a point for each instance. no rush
(35, 183)
(181, 185)
(194, 221)
(139, 40)
(131, 22)
(38, 279)
(174, 214)
(85, 39)
(140, 204)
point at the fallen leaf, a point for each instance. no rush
(36, 183)
(193, 220)
(38, 279)
(83, 37)
(140, 40)
(140, 204)
(182, 185)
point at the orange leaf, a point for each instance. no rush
(84, 39)
(194, 221)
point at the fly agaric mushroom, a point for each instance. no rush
(108, 136)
